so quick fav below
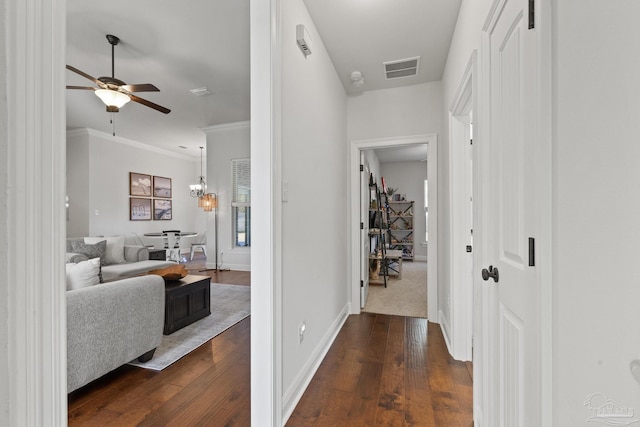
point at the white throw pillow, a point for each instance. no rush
(83, 274)
(115, 248)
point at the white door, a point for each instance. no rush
(364, 230)
(514, 338)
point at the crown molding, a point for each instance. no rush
(129, 142)
(227, 126)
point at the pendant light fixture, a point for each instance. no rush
(198, 190)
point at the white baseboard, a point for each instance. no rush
(444, 326)
(477, 416)
(293, 395)
(236, 267)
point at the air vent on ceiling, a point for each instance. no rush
(401, 68)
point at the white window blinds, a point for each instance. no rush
(241, 182)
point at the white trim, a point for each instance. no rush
(355, 147)
(130, 142)
(445, 328)
(461, 295)
(293, 395)
(33, 308)
(226, 126)
(266, 167)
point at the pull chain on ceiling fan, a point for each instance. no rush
(114, 92)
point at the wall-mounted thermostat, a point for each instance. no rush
(304, 40)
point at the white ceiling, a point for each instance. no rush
(175, 45)
(402, 154)
(362, 34)
(179, 46)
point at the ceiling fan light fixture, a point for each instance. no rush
(112, 98)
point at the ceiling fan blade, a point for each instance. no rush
(150, 104)
(81, 87)
(144, 87)
(85, 75)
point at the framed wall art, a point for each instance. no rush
(161, 187)
(139, 184)
(139, 209)
(162, 209)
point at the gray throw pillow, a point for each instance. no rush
(96, 250)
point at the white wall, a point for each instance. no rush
(596, 203)
(5, 251)
(408, 110)
(409, 178)
(225, 143)
(315, 239)
(105, 186)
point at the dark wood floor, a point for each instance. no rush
(382, 370)
(208, 387)
(388, 371)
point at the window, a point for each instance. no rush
(241, 202)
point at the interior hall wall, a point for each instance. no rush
(408, 178)
(596, 201)
(225, 143)
(104, 202)
(403, 111)
(315, 238)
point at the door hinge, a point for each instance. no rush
(362, 226)
(469, 248)
(471, 141)
(361, 168)
(362, 283)
(532, 14)
(532, 252)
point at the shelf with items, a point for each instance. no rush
(401, 227)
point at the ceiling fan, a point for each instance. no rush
(114, 92)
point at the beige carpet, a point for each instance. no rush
(405, 297)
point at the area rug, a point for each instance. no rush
(229, 305)
(404, 297)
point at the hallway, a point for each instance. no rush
(388, 370)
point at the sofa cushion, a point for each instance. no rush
(115, 248)
(97, 250)
(73, 257)
(83, 274)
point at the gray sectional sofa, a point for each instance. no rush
(111, 324)
(136, 260)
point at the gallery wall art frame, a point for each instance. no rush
(139, 209)
(162, 187)
(162, 209)
(139, 184)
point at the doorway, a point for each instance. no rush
(401, 289)
(356, 149)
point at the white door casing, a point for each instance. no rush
(514, 332)
(364, 231)
(459, 337)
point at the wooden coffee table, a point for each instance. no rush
(186, 300)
